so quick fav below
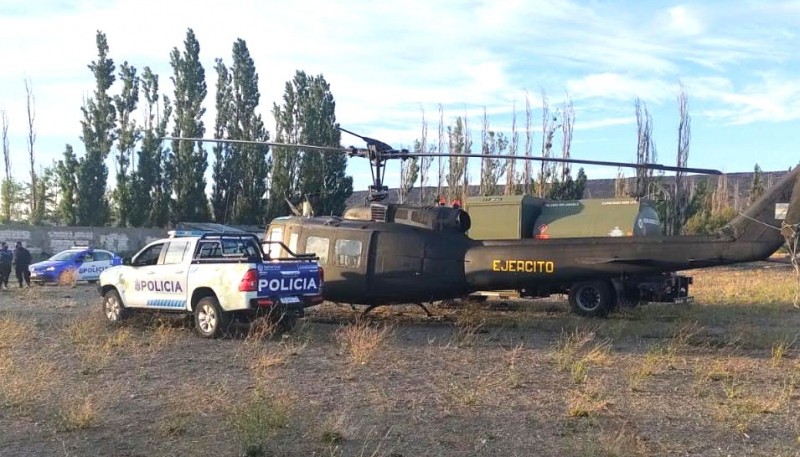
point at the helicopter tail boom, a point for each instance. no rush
(753, 235)
(761, 222)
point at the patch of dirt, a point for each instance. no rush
(719, 377)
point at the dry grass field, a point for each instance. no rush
(718, 377)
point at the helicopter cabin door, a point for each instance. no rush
(396, 263)
(343, 255)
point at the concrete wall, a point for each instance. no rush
(44, 241)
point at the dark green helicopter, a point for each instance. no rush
(383, 254)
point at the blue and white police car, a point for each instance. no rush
(87, 263)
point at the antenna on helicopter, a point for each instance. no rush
(293, 208)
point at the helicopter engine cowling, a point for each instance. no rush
(439, 218)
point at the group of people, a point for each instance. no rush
(20, 259)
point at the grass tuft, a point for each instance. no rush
(256, 421)
(78, 413)
(780, 351)
(578, 351)
(587, 402)
(15, 332)
(25, 384)
(68, 278)
(361, 340)
(513, 374)
(95, 342)
(469, 324)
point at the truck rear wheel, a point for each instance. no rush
(210, 320)
(285, 322)
(591, 298)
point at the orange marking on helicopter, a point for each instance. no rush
(524, 266)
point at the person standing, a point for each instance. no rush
(22, 260)
(6, 257)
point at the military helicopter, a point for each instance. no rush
(383, 254)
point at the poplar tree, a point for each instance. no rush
(757, 186)
(151, 189)
(98, 136)
(36, 202)
(251, 162)
(127, 135)
(456, 163)
(308, 117)
(223, 168)
(66, 171)
(188, 160)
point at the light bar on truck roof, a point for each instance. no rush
(184, 233)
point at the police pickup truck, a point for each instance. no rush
(215, 277)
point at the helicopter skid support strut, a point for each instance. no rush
(371, 307)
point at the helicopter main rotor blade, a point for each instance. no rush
(646, 166)
(383, 147)
(385, 154)
(352, 151)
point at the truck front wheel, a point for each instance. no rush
(591, 298)
(113, 308)
(209, 318)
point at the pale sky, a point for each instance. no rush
(388, 61)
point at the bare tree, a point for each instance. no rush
(456, 162)
(6, 150)
(567, 127)
(467, 150)
(719, 200)
(645, 149)
(528, 170)
(681, 200)
(620, 185)
(409, 171)
(440, 183)
(511, 164)
(7, 188)
(492, 143)
(31, 110)
(549, 127)
(425, 163)
(486, 164)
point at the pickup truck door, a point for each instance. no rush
(167, 288)
(143, 271)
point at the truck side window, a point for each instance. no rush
(149, 256)
(348, 253)
(319, 246)
(175, 252)
(209, 250)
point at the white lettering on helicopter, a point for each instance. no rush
(524, 266)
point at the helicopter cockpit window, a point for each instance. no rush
(348, 253)
(319, 246)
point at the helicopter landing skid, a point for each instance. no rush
(371, 307)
